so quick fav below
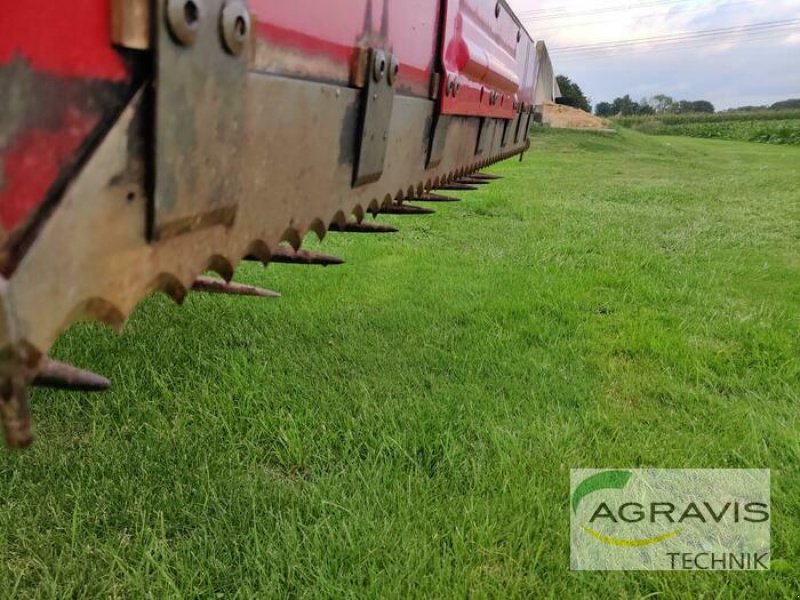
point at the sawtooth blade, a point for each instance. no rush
(61, 376)
(218, 286)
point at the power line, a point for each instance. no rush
(755, 37)
(562, 13)
(771, 26)
(541, 30)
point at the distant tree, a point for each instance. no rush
(703, 106)
(625, 106)
(786, 104)
(747, 108)
(646, 109)
(661, 103)
(573, 94)
(604, 109)
(695, 106)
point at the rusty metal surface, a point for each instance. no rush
(59, 375)
(220, 286)
(457, 186)
(405, 209)
(431, 197)
(15, 413)
(288, 256)
(93, 255)
(363, 227)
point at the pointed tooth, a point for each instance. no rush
(15, 414)
(435, 198)
(486, 176)
(288, 256)
(457, 187)
(218, 286)
(406, 209)
(363, 227)
(473, 181)
(61, 376)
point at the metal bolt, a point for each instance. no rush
(379, 65)
(183, 19)
(394, 70)
(234, 25)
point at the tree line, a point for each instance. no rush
(572, 95)
(658, 104)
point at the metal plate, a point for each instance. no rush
(199, 125)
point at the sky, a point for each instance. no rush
(730, 68)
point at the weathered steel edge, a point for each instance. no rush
(93, 260)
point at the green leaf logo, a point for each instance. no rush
(607, 480)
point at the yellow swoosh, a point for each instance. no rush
(628, 543)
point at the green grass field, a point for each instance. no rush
(404, 425)
(765, 127)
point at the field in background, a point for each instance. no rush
(404, 425)
(767, 126)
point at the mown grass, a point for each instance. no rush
(766, 127)
(405, 425)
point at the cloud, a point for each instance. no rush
(753, 69)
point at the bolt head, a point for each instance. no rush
(234, 26)
(184, 18)
(394, 70)
(379, 64)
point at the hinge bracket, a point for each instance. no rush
(130, 23)
(377, 103)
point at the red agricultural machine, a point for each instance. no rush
(146, 142)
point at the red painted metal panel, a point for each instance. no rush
(59, 75)
(480, 52)
(68, 39)
(321, 40)
(526, 70)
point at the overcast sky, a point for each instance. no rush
(730, 69)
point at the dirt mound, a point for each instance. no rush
(566, 117)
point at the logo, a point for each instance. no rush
(670, 519)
